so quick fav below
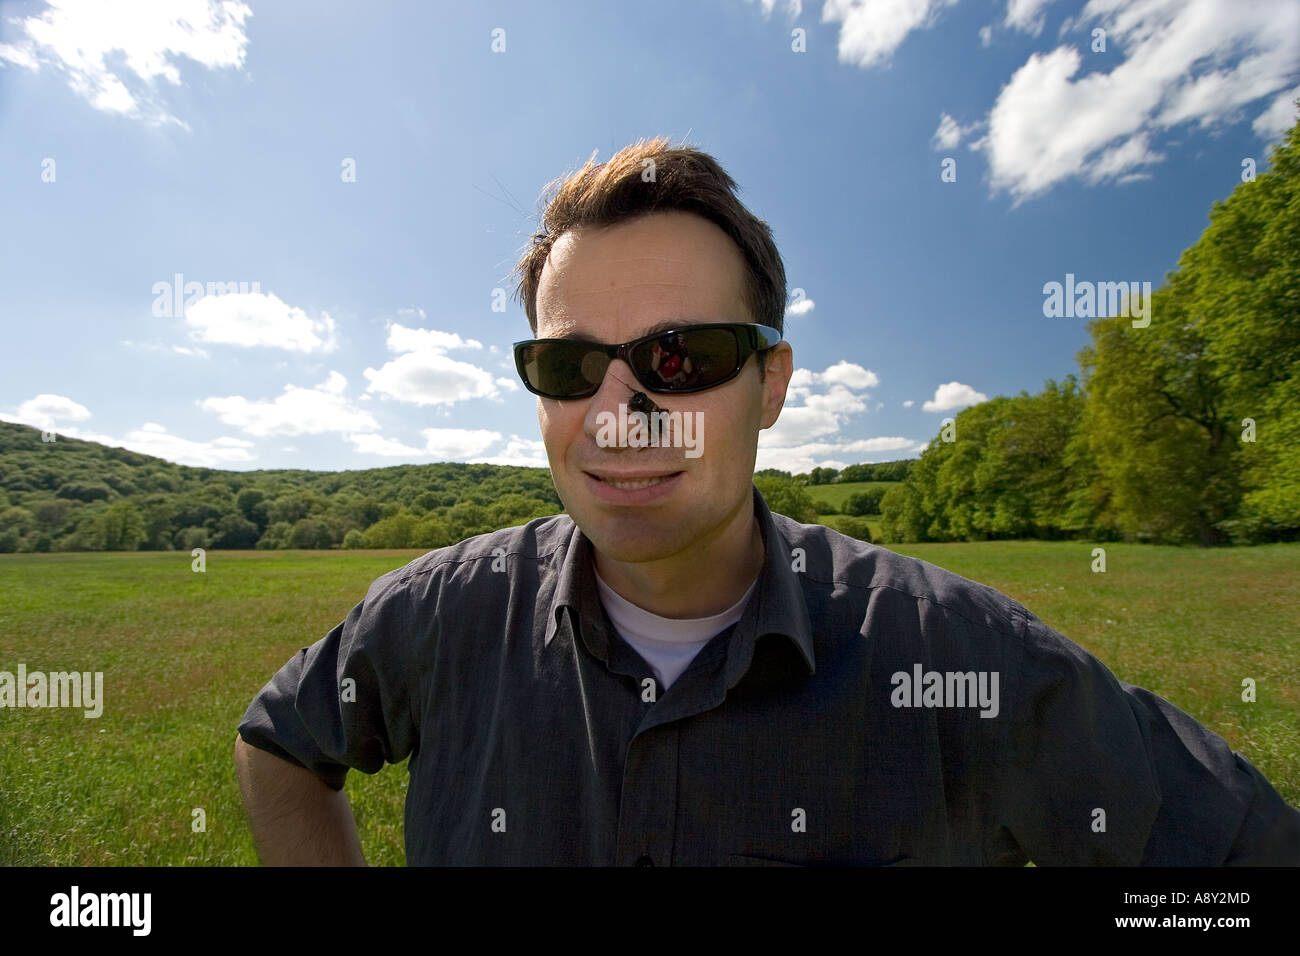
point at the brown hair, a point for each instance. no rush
(684, 179)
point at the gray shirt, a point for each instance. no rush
(867, 708)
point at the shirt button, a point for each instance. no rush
(645, 861)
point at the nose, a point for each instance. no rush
(617, 388)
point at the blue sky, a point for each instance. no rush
(365, 176)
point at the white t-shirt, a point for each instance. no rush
(668, 644)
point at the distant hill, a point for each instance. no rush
(73, 495)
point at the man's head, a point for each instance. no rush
(655, 240)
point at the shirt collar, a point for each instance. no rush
(776, 607)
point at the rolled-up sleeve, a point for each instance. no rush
(344, 702)
(1109, 773)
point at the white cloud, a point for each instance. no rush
(1026, 15)
(909, 403)
(1181, 61)
(425, 375)
(793, 7)
(873, 29)
(403, 339)
(986, 35)
(948, 134)
(800, 307)
(952, 395)
(1279, 117)
(837, 400)
(820, 413)
(389, 447)
(101, 47)
(258, 319)
(526, 452)
(799, 423)
(159, 347)
(45, 411)
(842, 372)
(808, 455)
(153, 439)
(431, 378)
(453, 444)
(296, 411)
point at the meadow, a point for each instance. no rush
(836, 494)
(183, 653)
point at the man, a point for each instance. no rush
(672, 674)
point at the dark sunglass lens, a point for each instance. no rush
(686, 360)
(563, 369)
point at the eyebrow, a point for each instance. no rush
(665, 326)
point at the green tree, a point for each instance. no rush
(311, 533)
(187, 539)
(158, 514)
(432, 532)
(785, 496)
(395, 531)
(515, 508)
(251, 503)
(467, 519)
(51, 516)
(1245, 274)
(863, 472)
(1158, 424)
(120, 527)
(18, 520)
(296, 506)
(275, 537)
(854, 528)
(84, 490)
(235, 531)
(864, 502)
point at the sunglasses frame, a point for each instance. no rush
(751, 337)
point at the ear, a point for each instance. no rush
(779, 367)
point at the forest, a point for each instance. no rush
(1183, 427)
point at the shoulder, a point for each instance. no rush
(539, 545)
(870, 573)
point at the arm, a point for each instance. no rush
(1107, 773)
(297, 819)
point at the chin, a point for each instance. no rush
(635, 538)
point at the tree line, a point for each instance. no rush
(72, 495)
(1184, 431)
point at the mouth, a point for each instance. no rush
(629, 489)
(627, 484)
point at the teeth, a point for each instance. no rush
(634, 482)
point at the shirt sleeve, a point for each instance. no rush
(344, 702)
(1103, 772)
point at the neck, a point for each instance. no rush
(674, 587)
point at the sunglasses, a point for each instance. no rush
(688, 359)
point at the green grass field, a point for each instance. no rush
(837, 494)
(184, 653)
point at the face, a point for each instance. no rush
(617, 284)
